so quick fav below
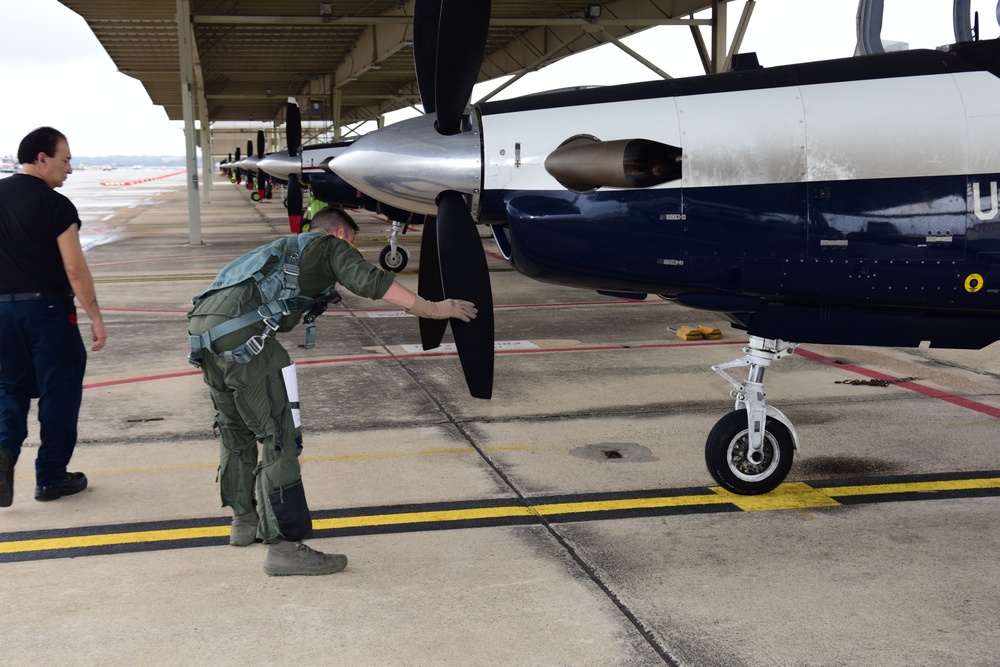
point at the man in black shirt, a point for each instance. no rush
(42, 353)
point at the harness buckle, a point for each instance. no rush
(268, 318)
(255, 344)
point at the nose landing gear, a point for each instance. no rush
(750, 450)
(394, 256)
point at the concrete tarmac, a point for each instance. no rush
(568, 521)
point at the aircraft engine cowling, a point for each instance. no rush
(585, 163)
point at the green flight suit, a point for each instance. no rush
(251, 400)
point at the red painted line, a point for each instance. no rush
(143, 180)
(148, 378)
(541, 350)
(159, 259)
(345, 311)
(960, 401)
(515, 306)
(141, 310)
(420, 355)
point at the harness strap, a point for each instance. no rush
(269, 314)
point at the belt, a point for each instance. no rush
(29, 296)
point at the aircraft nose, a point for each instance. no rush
(408, 164)
(280, 165)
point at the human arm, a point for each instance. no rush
(82, 282)
(398, 295)
(346, 265)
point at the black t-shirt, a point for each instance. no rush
(32, 216)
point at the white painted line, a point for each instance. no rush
(388, 313)
(497, 345)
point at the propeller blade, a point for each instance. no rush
(249, 173)
(293, 127)
(426, 15)
(464, 275)
(261, 176)
(294, 204)
(429, 284)
(462, 31)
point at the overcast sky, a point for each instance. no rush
(53, 71)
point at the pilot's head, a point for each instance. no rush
(335, 222)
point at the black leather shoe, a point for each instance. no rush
(75, 483)
(6, 479)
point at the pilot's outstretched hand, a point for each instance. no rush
(443, 310)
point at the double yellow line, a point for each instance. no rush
(791, 495)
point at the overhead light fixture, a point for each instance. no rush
(376, 65)
(326, 11)
(592, 13)
(268, 92)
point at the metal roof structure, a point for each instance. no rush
(346, 61)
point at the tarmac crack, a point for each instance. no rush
(571, 551)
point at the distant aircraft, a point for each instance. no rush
(310, 165)
(850, 202)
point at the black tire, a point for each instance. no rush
(397, 263)
(725, 455)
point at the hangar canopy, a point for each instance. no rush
(351, 60)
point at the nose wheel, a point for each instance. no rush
(738, 467)
(394, 256)
(750, 450)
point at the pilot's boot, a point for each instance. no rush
(289, 558)
(244, 530)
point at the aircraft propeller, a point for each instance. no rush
(262, 176)
(239, 172)
(250, 153)
(449, 40)
(293, 131)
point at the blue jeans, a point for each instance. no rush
(41, 355)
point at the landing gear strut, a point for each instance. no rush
(394, 256)
(750, 450)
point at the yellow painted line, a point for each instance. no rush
(628, 503)
(55, 543)
(304, 459)
(912, 487)
(423, 517)
(790, 495)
